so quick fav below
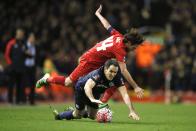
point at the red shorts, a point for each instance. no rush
(82, 69)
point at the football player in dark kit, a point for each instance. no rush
(89, 88)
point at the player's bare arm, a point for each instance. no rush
(105, 23)
(139, 91)
(88, 91)
(125, 96)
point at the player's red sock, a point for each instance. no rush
(107, 94)
(56, 80)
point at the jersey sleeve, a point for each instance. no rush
(120, 56)
(8, 51)
(113, 31)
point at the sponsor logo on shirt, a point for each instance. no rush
(111, 84)
(102, 86)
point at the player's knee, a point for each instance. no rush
(68, 82)
(77, 114)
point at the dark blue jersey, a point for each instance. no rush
(101, 81)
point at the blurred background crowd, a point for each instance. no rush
(49, 36)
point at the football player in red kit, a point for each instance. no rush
(116, 46)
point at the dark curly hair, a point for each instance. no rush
(110, 62)
(133, 36)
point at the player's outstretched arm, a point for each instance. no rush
(105, 23)
(125, 96)
(88, 91)
(139, 91)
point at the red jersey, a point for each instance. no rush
(8, 49)
(112, 47)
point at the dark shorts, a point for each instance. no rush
(81, 100)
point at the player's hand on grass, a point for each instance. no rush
(134, 116)
(98, 11)
(139, 92)
(96, 101)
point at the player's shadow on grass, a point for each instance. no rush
(125, 122)
(138, 123)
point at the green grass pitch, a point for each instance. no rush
(154, 117)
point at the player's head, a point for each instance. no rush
(20, 34)
(31, 38)
(132, 39)
(110, 69)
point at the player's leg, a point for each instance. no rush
(108, 94)
(76, 113)
(92, 112)
(60, 80)
(67, 81)
(47, 80)
(84, 113)
(68, 115)
(43, 81)
(82, 69)
(92, 109)
(79, 105)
